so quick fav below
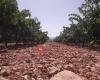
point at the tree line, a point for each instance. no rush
(85, 27)
(17, 26)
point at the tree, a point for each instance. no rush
(8, 20)
(18, 26)
(91, 12)
(84, 28)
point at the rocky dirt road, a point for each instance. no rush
(28, 64)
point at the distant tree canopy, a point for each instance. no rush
(84, 28)
(18, 26)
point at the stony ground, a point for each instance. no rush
(28, 64)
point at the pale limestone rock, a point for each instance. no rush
(2, 78)
(39, 79)
(27, 77)
(52, 70)
(67, 75)
(97, 65)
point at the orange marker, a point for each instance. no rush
(40, 49)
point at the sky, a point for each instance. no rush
(53, 14)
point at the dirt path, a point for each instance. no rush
(27, 64)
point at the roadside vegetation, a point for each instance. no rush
(85, 27)
(18, 26)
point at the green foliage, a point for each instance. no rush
(18, 26)
(84, 28)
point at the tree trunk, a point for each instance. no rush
(6, 44)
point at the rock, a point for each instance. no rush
(39, 79)
(27, 77)
(32, 55)
(18, 73)
(97, 65)
(39, 66)
(69, 67)
(66, 66)
(28, 61)
(93, 69)
(15, 69)
(51, 59)
(2, 78)
(67, 75)
(0, 68)
(5, 72)
(53, 70)
(33, 79)
(25, 64)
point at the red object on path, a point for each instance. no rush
(40, 49)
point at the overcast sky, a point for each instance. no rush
(53, 14)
